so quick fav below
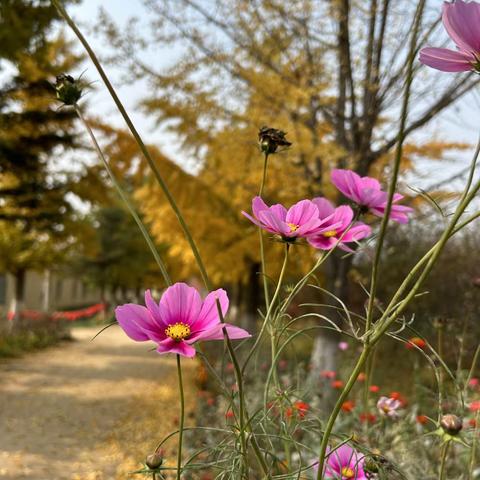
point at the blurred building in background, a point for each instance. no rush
(47, 292)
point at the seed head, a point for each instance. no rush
(451, 424)
(154, 460)
(68, 89)
(271, 138)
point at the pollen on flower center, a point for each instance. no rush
(330, 233)
(293, 227)
(347, 472)
(178, 331)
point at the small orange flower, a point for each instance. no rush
(348, 406)
(421, 419)
(328, 374)
(229, 414)
(302, 408)
(368, 417)
(362, 377)
(472, 423)
(338, 384)
(398, 396)
(374, 388)
(416, 342)
(475, 406)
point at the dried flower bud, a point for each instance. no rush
(451, 424)
(371, 465)
(154, 460)
(271, 138)
(68, 90)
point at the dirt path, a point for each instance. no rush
(86, 410)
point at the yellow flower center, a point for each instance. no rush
(347, 472)
(386, 408)
(330, 233)
(178, 331)
(293, 227)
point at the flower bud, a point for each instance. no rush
(371, 466)
(154, 460)
(451, 424)
(271, 138)
(68, 90)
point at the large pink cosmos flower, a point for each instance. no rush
(178, 321)
(300, 220)
(344, 463)
(336, 222)
(367, 193)
(388, 407)
(462, 22)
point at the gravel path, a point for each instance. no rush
(87, 410)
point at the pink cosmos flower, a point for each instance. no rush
(344, 463)
(300, 220)
(335, 222)
(367, 193)
(178, 321)
(343, 346)
(388, 407)
(461, 20)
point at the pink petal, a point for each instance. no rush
(302, 212)
(343, 215)
(136, 321)
(357, 232)
(171, 346)
(181, 303)
(216, 333)
(258, 205)
(462, 22)
(279, 211)
(208, 316)
(325, 207)
(253, 220)
(446, 60)
(155, 310)
(321, 242)
(349, 183)
(274, 224)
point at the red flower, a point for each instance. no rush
(473, 382)
(299, 408)
(337, 384)
(229, 414)
(421, 419)
(374, 388)
(398, 396)
(475, 406)
(472, 422)
(368, 417)
(330, 374)
(348, 406)
(416, 342)
(210, 401)
(361, 377)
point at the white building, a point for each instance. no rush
(47, 292)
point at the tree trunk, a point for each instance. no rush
(325, 348)
(18, 300)
(249, 299)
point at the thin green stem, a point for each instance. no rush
(151, 162)
(260, 235)
(474, 447)
(338, 405)
(396, 165)
(269, 311)
(443, 462)
(182, 418)
(124, 197)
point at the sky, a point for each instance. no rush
(459, 123)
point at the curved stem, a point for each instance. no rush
(338, 405)
(260, 235)
(396, 165)
(182, 418)
(443, 462)
(474, 447)
(125, 198)
(151, 162)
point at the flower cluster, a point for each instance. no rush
(322, 224)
